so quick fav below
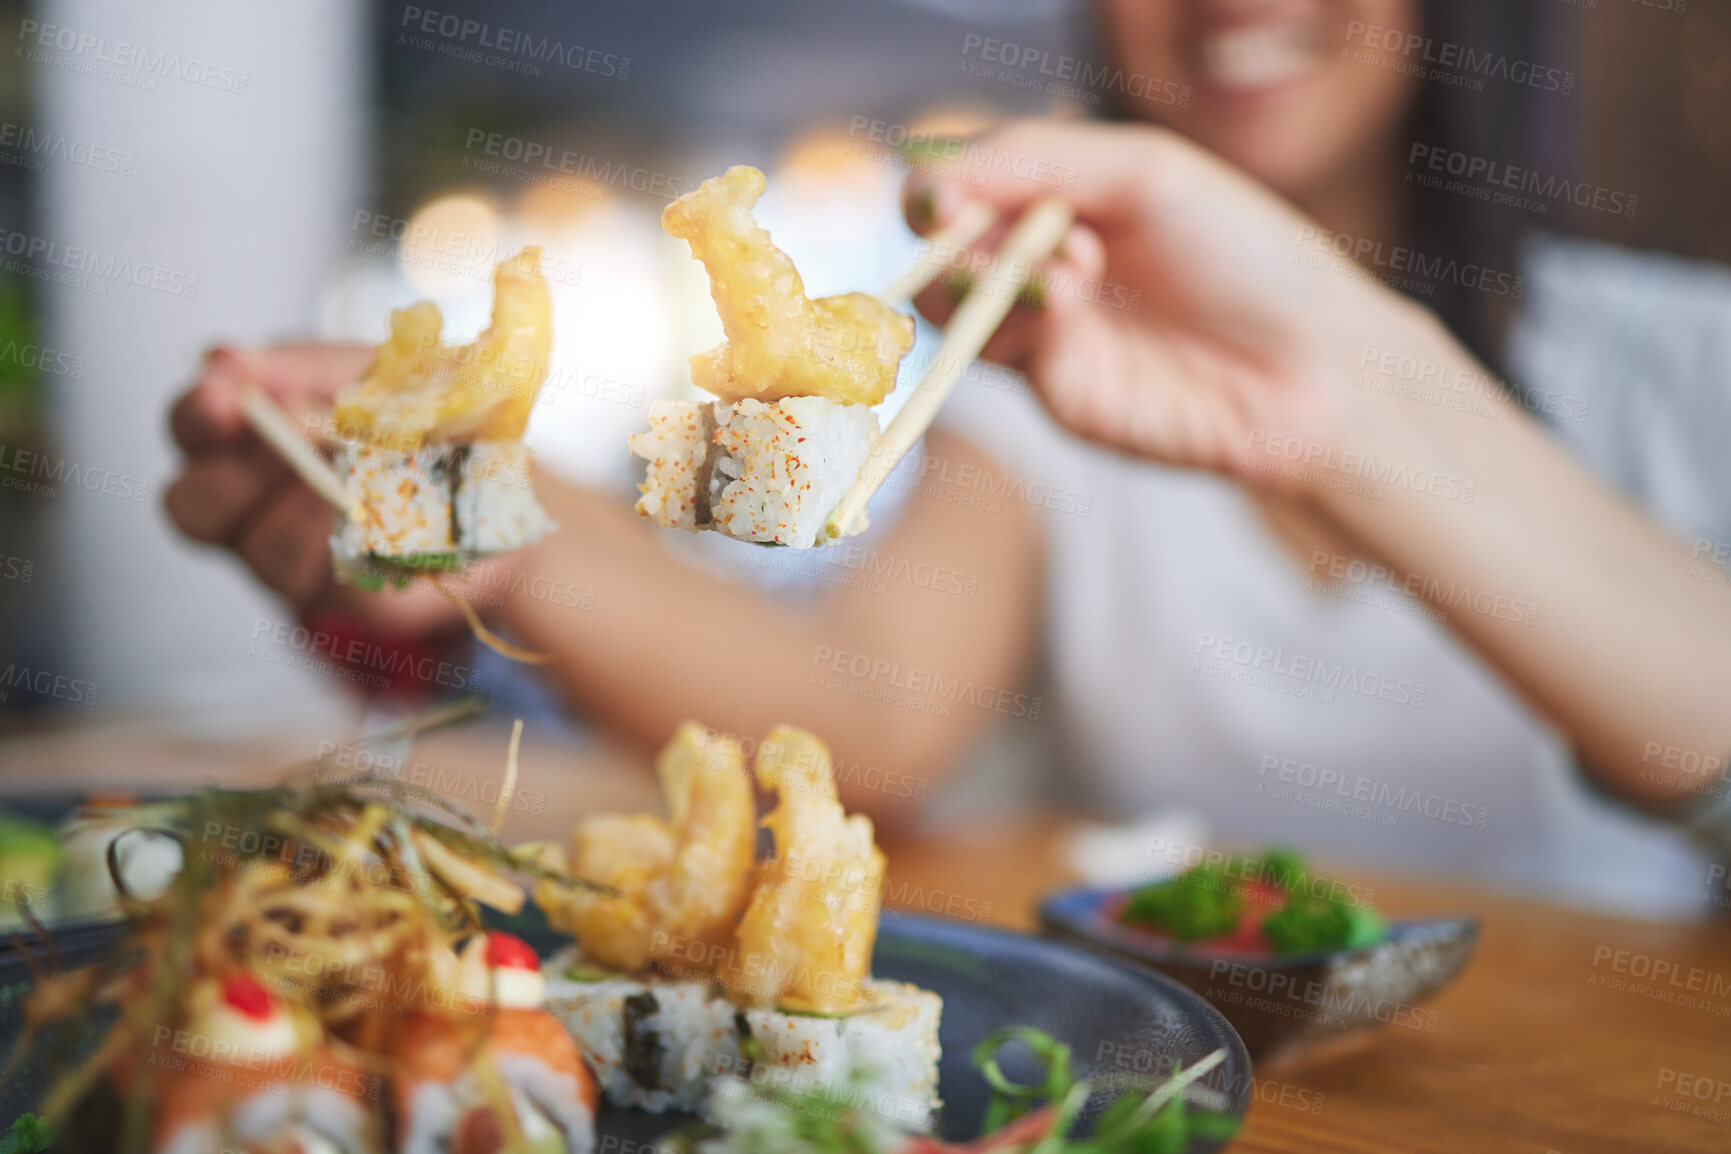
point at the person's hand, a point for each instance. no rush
(1183, 319)
(235, 491)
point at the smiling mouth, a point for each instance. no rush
(1255, 58)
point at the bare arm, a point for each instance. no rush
(1242, 359)
(1615, 638)
(946, 600)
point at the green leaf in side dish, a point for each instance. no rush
(1312, 924)
(1284, 868)
(1200, 903)
(1367, 927)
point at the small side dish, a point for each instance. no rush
(1270, 904)
(1291, 958)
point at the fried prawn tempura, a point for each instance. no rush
(681, 881)
(418, 390)
(780, 343)
(807, 935)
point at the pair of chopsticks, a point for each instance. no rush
(1035, 236)
(273, 424)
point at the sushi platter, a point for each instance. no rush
(346, 963)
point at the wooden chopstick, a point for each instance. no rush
(969, 226)
(1040, 230)
(269, 421)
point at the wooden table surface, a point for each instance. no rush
(1548, 1042)
(1569, 1033)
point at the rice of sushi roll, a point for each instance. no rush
(764, 471)
(662, 1045)
(652, 1045)
(446, 1060)
(680, 448)
(493, 506)
(407, 499)
(435, 508)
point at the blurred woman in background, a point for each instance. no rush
(1184, 597)
(1198, 636)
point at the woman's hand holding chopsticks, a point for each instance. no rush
(237, 489)
(1180, 320)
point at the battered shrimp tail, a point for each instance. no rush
(780, 343)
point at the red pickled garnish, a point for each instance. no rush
(1246, 936)
(1262, 894)
(510, 952)
(1260, 900)
(248, 995)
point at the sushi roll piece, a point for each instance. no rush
(763, 471)
(432, 449)
(654, 1044)
(661, 1045)
(435, 509)
(453, 1068)
(766, 982)
(773, 456)
(888, 1054)
(810, 1013)
(246, 1075)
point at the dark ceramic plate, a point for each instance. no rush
(1115, 1017)
(1283, 1005)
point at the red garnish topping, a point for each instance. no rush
(1263, 894)
(510, 952)
(248, 995)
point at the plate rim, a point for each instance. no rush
(1238, 1066)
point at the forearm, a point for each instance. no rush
(645, 641)
(1583, 603)
(654, 641)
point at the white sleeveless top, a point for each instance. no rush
(1189, 660)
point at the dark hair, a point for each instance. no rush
(1506, 123)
